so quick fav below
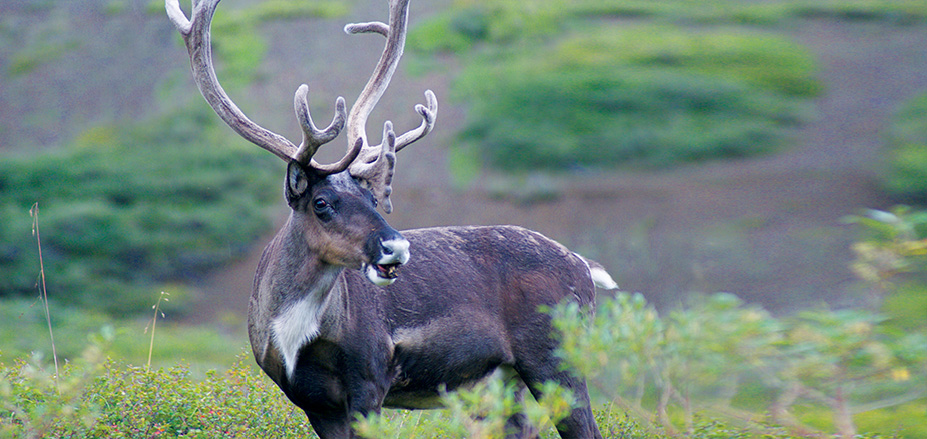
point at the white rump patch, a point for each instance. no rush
(602, 279)
(599, 276)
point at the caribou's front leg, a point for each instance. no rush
(363, 398)
(331, 427)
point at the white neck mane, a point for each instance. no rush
(300, 322)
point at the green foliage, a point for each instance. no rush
(733, 11)
(897, 11)
(699, 359)
(688, 350)
(495, 21)
(131, 207)
(479, 412)
(905, 173)
(104, 398)
(891, 257)
(893, 244)
(470, 23)
(644, 95)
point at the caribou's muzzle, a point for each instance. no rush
(384, 267)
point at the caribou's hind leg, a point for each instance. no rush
(580, 423)
(536, 363)
(517, 426)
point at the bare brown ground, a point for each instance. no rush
(767, 229)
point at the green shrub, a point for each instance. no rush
(905, 174)
(704, 354)
(719, 356)
(99, 398)
(467, 24)
(897, 11)
(24, 333)
(647, 95)
(129, 208)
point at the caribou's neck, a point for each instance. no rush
(310, 298)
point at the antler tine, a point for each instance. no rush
(376, 172)
(364, 28)
(356, 127)
(375, 164)
(313, 137)
(196, 36)
(395, 34)
(428, 114)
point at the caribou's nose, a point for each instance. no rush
(394, 251)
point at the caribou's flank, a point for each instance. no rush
(348, 315)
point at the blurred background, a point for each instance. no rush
(690, 147)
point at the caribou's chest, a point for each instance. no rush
(316, 382)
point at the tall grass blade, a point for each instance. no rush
(34, 213)
(154, 322)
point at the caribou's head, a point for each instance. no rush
(334, 205)
(336, 216)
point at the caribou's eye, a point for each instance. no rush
(320, 205)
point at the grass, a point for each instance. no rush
(561, 86)
(24, 333)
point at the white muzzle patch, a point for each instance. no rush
(385, 270)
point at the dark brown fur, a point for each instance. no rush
(465, 304)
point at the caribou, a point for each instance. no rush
(333, 322)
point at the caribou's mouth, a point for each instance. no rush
(384, 269)
(388, 271)
(382, 274)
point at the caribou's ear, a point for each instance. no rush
(298, 181)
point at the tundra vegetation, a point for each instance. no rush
(118, 201)
(715, 368)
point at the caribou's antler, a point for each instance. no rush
(375, 164)
(195, 32)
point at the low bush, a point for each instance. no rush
(99, 398)
(130, 208)
(894, 11)
(468, 24)
(709, 371)
(814, 373)
(642, 95)
(905, 172)
(820, 370)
